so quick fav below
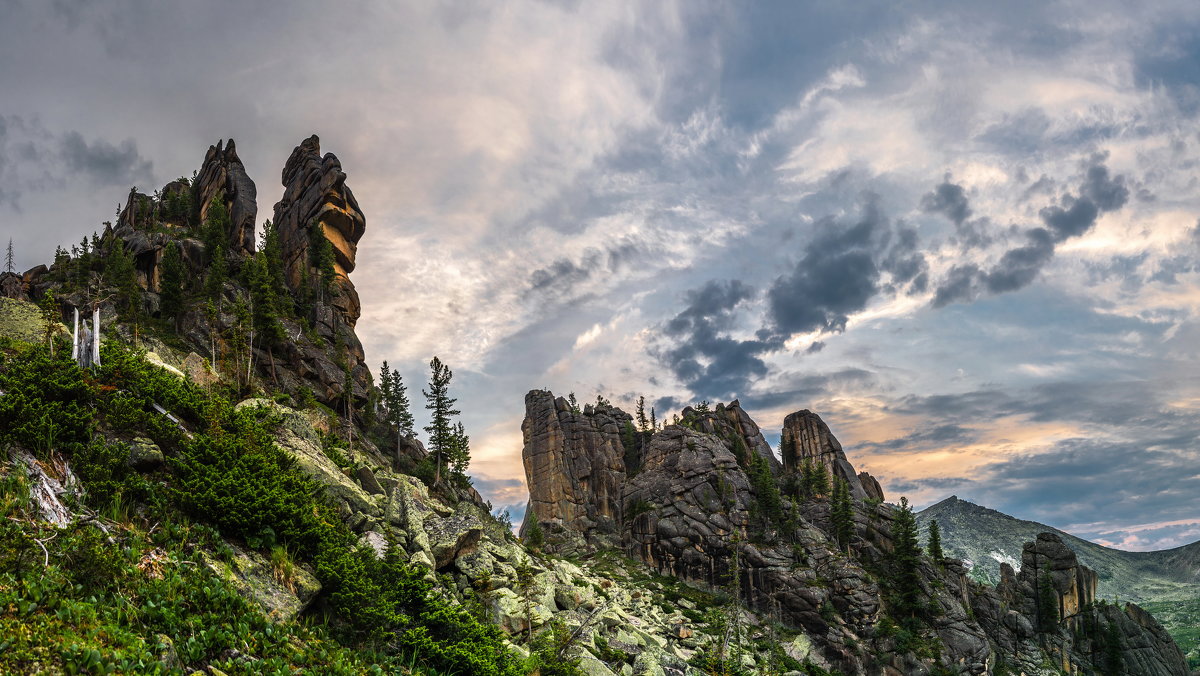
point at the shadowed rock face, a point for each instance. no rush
(731, 422)
(575, 467)
(223, 174)
(315, 190)
(812, 440)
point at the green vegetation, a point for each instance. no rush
(447, 443)
(934, 546)
(841, 514)
(1182, 620)
(224, 470)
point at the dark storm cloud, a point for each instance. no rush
(103, 163)
(949, 200)
(836, 276)
(712, 364)
(1019, 267)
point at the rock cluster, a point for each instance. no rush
(690, 510)
(223, 175)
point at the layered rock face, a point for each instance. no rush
(731, 422)
(223, 174)
(575, 465)
(315, 190)
(809, 438)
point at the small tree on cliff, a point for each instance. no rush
(397, 413)
(841, 514)
(935, 542)
(905, 559)
(272, 251)
(171, 284)
(320, 257)
(438, 401)
(8, 258)
(641, 414)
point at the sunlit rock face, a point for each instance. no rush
(575, 462)
(315, 190)
(223, 174)
(809, 438)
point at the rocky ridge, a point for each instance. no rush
(692, 511)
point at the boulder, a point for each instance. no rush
(145, 455)
(283, 591)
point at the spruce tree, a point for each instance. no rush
(171, 283)
(768, 503)
(1047, 605)
(320, 252)
(460, 454)
(841, 514)
(218, 272)
(439, 402)
(396, 409)
(215, 231)
(641, 414)
(905, 559)
(121, 273)
(8, 258)
(265, 306)
(573, 403)
(272, 250)
(653, 420)
(935, 542)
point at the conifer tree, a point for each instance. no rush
(215, 230)
(906, 552)
(439, 402)
(460, 454)
(841, 513)
(171, 284)
(218, 272)
(935, 542)
(397, 413)
(768, 503)
(573, 402)
(641, 414)
(8, 258)
(1047, 605)
(653, 421)
(121, 273)
(320, 252)
(265, 306)
(272, 249)
(787, 451)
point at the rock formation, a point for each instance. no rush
(809, 438)
(223, 174)
(575, 462)
(315, 190)
(690, 509)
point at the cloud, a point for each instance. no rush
(834, 278)
(103, 163)
(949, 200)
(1018, 267)
(712, 364)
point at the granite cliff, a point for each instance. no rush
(687, 502)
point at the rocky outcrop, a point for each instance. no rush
(223, 175)
(575, 465)
(12, 286)
(806, 437)
(315, 190)
(871, 486)
(734, 425)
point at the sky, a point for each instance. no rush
(964, 233)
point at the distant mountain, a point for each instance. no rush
(985, 538)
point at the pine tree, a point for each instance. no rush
(272, 250)
(841, 514)
(1047, 605)
(653, 421)
(438, 400)
(396, 410)
(460, 454)
(935, 542)
(121, 273)
(641, 414)
(320, 252)
(768, 503)
(265, 306)
(8, 258)
(218, 272)
(215, 230)
(905, 558)
(171, 283)
(787, 451)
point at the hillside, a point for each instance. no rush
(201, 475)
(985, 538)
